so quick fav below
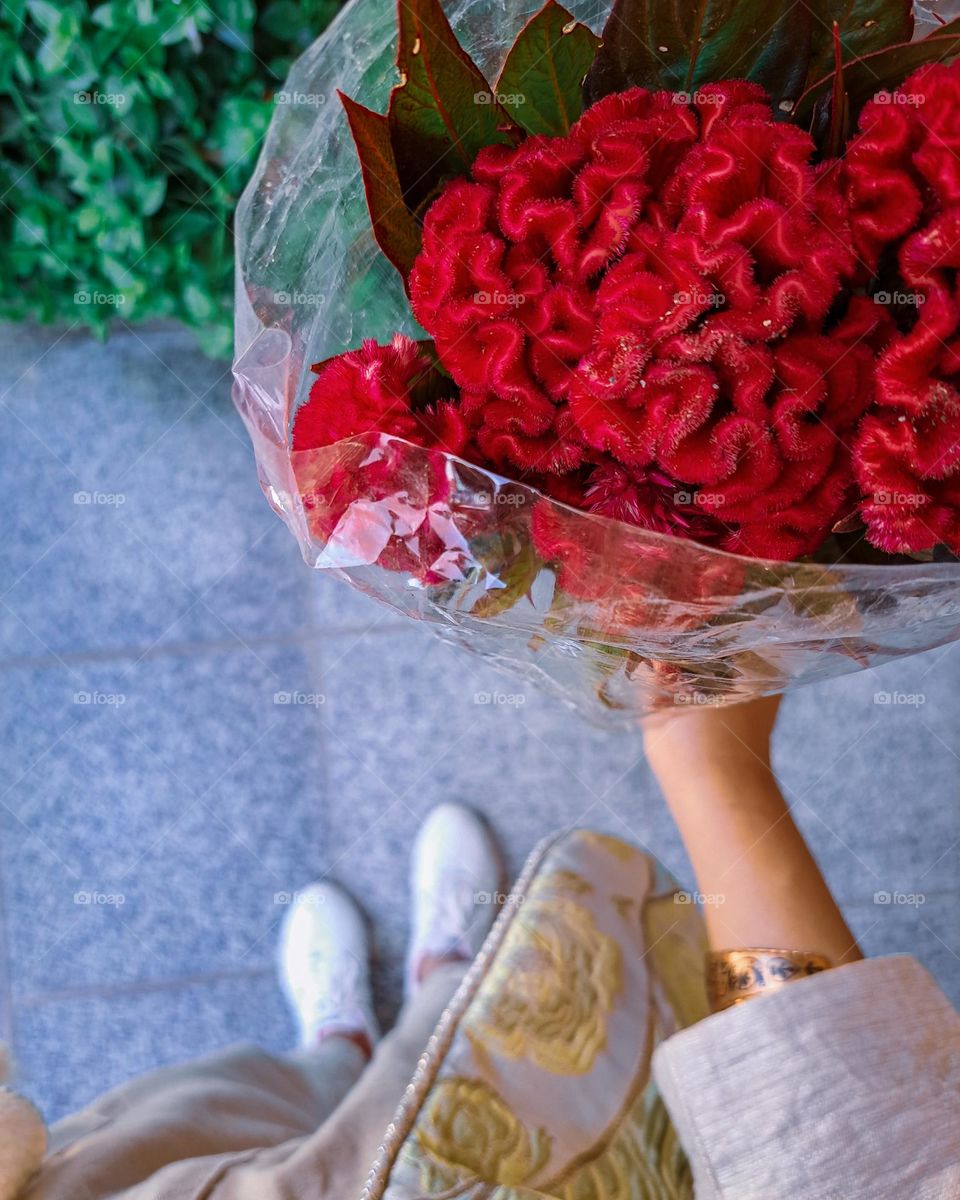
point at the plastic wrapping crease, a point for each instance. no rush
(615, 620)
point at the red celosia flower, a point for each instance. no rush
(630, 581)
(902, 177)
(904, 164)
(651, 319)
(649, 498)
(630, 294)
(374, 388)
(822, 386)
(376, 500)
(368, 502)
(907, 507)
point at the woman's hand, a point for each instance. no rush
(680, 738)
(763, 886)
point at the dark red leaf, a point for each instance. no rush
(882, 70)
(542, 77)
(863, 25)
(442, 113)
(839, 105)
(678, 45)
(394, 227)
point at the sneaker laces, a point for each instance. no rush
(450, 908)
(339, 984)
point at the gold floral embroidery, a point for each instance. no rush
(676, 942)
(619, 849)
(466, 1130)
(563, 880)
(642, 1161)
(549, 993)
(546, 1003)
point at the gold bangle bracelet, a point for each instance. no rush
(737, 975)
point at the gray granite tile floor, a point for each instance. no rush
(157, 802)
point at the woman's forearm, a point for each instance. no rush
(760, 883)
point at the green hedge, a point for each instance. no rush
(128, 131)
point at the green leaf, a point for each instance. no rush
(75, 166)
(198, 303)
(21, 67)
(105, 15)
(117, 272)
(516, 566)
(101, 153)
(883, 70)
(150, 194)
(678, 45)
(158, 84)
(131, 197)
(542, 77)
(30, 226)
(215, 340)
(45, 14)
(238, 16)
(865, 26)
(239, 128)
(52, 55)
(88, 219)
(278, 17)
(82, 116)
(441, 113)
(814, 592)
(13, 11)
(397, 233)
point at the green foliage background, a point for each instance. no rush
(127, 132)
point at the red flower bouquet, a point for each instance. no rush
(662, 403)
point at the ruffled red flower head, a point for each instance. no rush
(364, 500)
(374, 388)
(904, 165)
(902, 179)
(672, 317)
(632, 294)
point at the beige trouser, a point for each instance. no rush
(245, 1125)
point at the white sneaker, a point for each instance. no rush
(324, 962)
(455, 880)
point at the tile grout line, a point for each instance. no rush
(303, 636)
(317, 654)
(315, 660)
(118, 332)
(138, 987)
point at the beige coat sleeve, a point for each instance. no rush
(843, 1086)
